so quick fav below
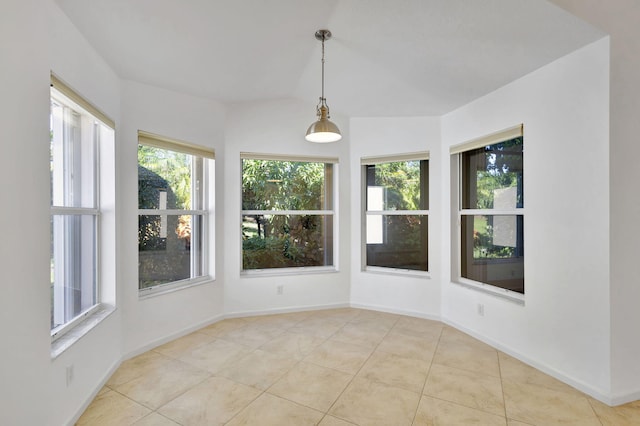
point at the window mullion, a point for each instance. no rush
(397, 212)
(287, 212)
(492, 212)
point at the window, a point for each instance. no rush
(397, 212)
(173, 214)
(77, 131)
(287, 212)
(491, 211)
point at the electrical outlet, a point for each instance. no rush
(480, 309)
(69, 374)
(279, 290)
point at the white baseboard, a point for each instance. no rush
(392, 310)
(239, 314)
(92, 395)
(578, 384)
(589, 390)
(625, 397)
(165, 339)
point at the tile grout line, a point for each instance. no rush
(359, 369)
(263, 391)
(504, 400)
(424, 385)
(354, 376)
(594, 410)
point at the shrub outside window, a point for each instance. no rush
(396, 212)
(76, 131)
(172, 212)
(491, 213)
(287, 212)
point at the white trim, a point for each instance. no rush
(490, 139)
(288, 212)
(287, 157)
(275, 311)
(176, 335)
(397, 212)
(80, 329)
(253, 273)
(620, 398)
(170, 287)
(396, 311)
(69, 211)
(366, 161)
(334, 168)
(101, 384)
(65, 328)
(411, 156)
(510, 295)
(384, 270)
(171, 212)
(578, 384)
(163, 142)
(491, 212)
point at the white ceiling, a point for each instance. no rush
(386, 58)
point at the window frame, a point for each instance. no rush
(333, 213)
(458, 212)
(67, 97)
(370, 161)
(205, 212)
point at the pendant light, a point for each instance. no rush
(323, 130)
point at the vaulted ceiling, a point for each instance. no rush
(386, 58)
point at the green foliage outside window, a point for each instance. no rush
(163, 256)
(403, 243)
(401, 179)
(278, 240)
(496, 168)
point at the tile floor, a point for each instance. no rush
(339, 367)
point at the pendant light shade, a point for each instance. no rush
(323, 130)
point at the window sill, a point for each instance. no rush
(160, 290)
(84, 327)
(254, 273)
(397, 272)
(509, 295)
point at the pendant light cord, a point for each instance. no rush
(323, 67)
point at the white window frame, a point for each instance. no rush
(456, 152)
(332, 212)
(369, 161)
(99, 122)
(207, 230)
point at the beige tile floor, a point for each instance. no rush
(339, 367)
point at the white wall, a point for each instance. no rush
(278, 127)
(620, 19)
(153, 320)
(24, 306)
(73, 60)
(563, 327)
(406, 294)
(36, 38)
(566, 327)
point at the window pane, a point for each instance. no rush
(169, 248)
(286, 185)
(73, 139)
(397, 241)
(401, 185)
(73, 266)
(492, 176)
(493, 250)
(165, 179)
(286, 241)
